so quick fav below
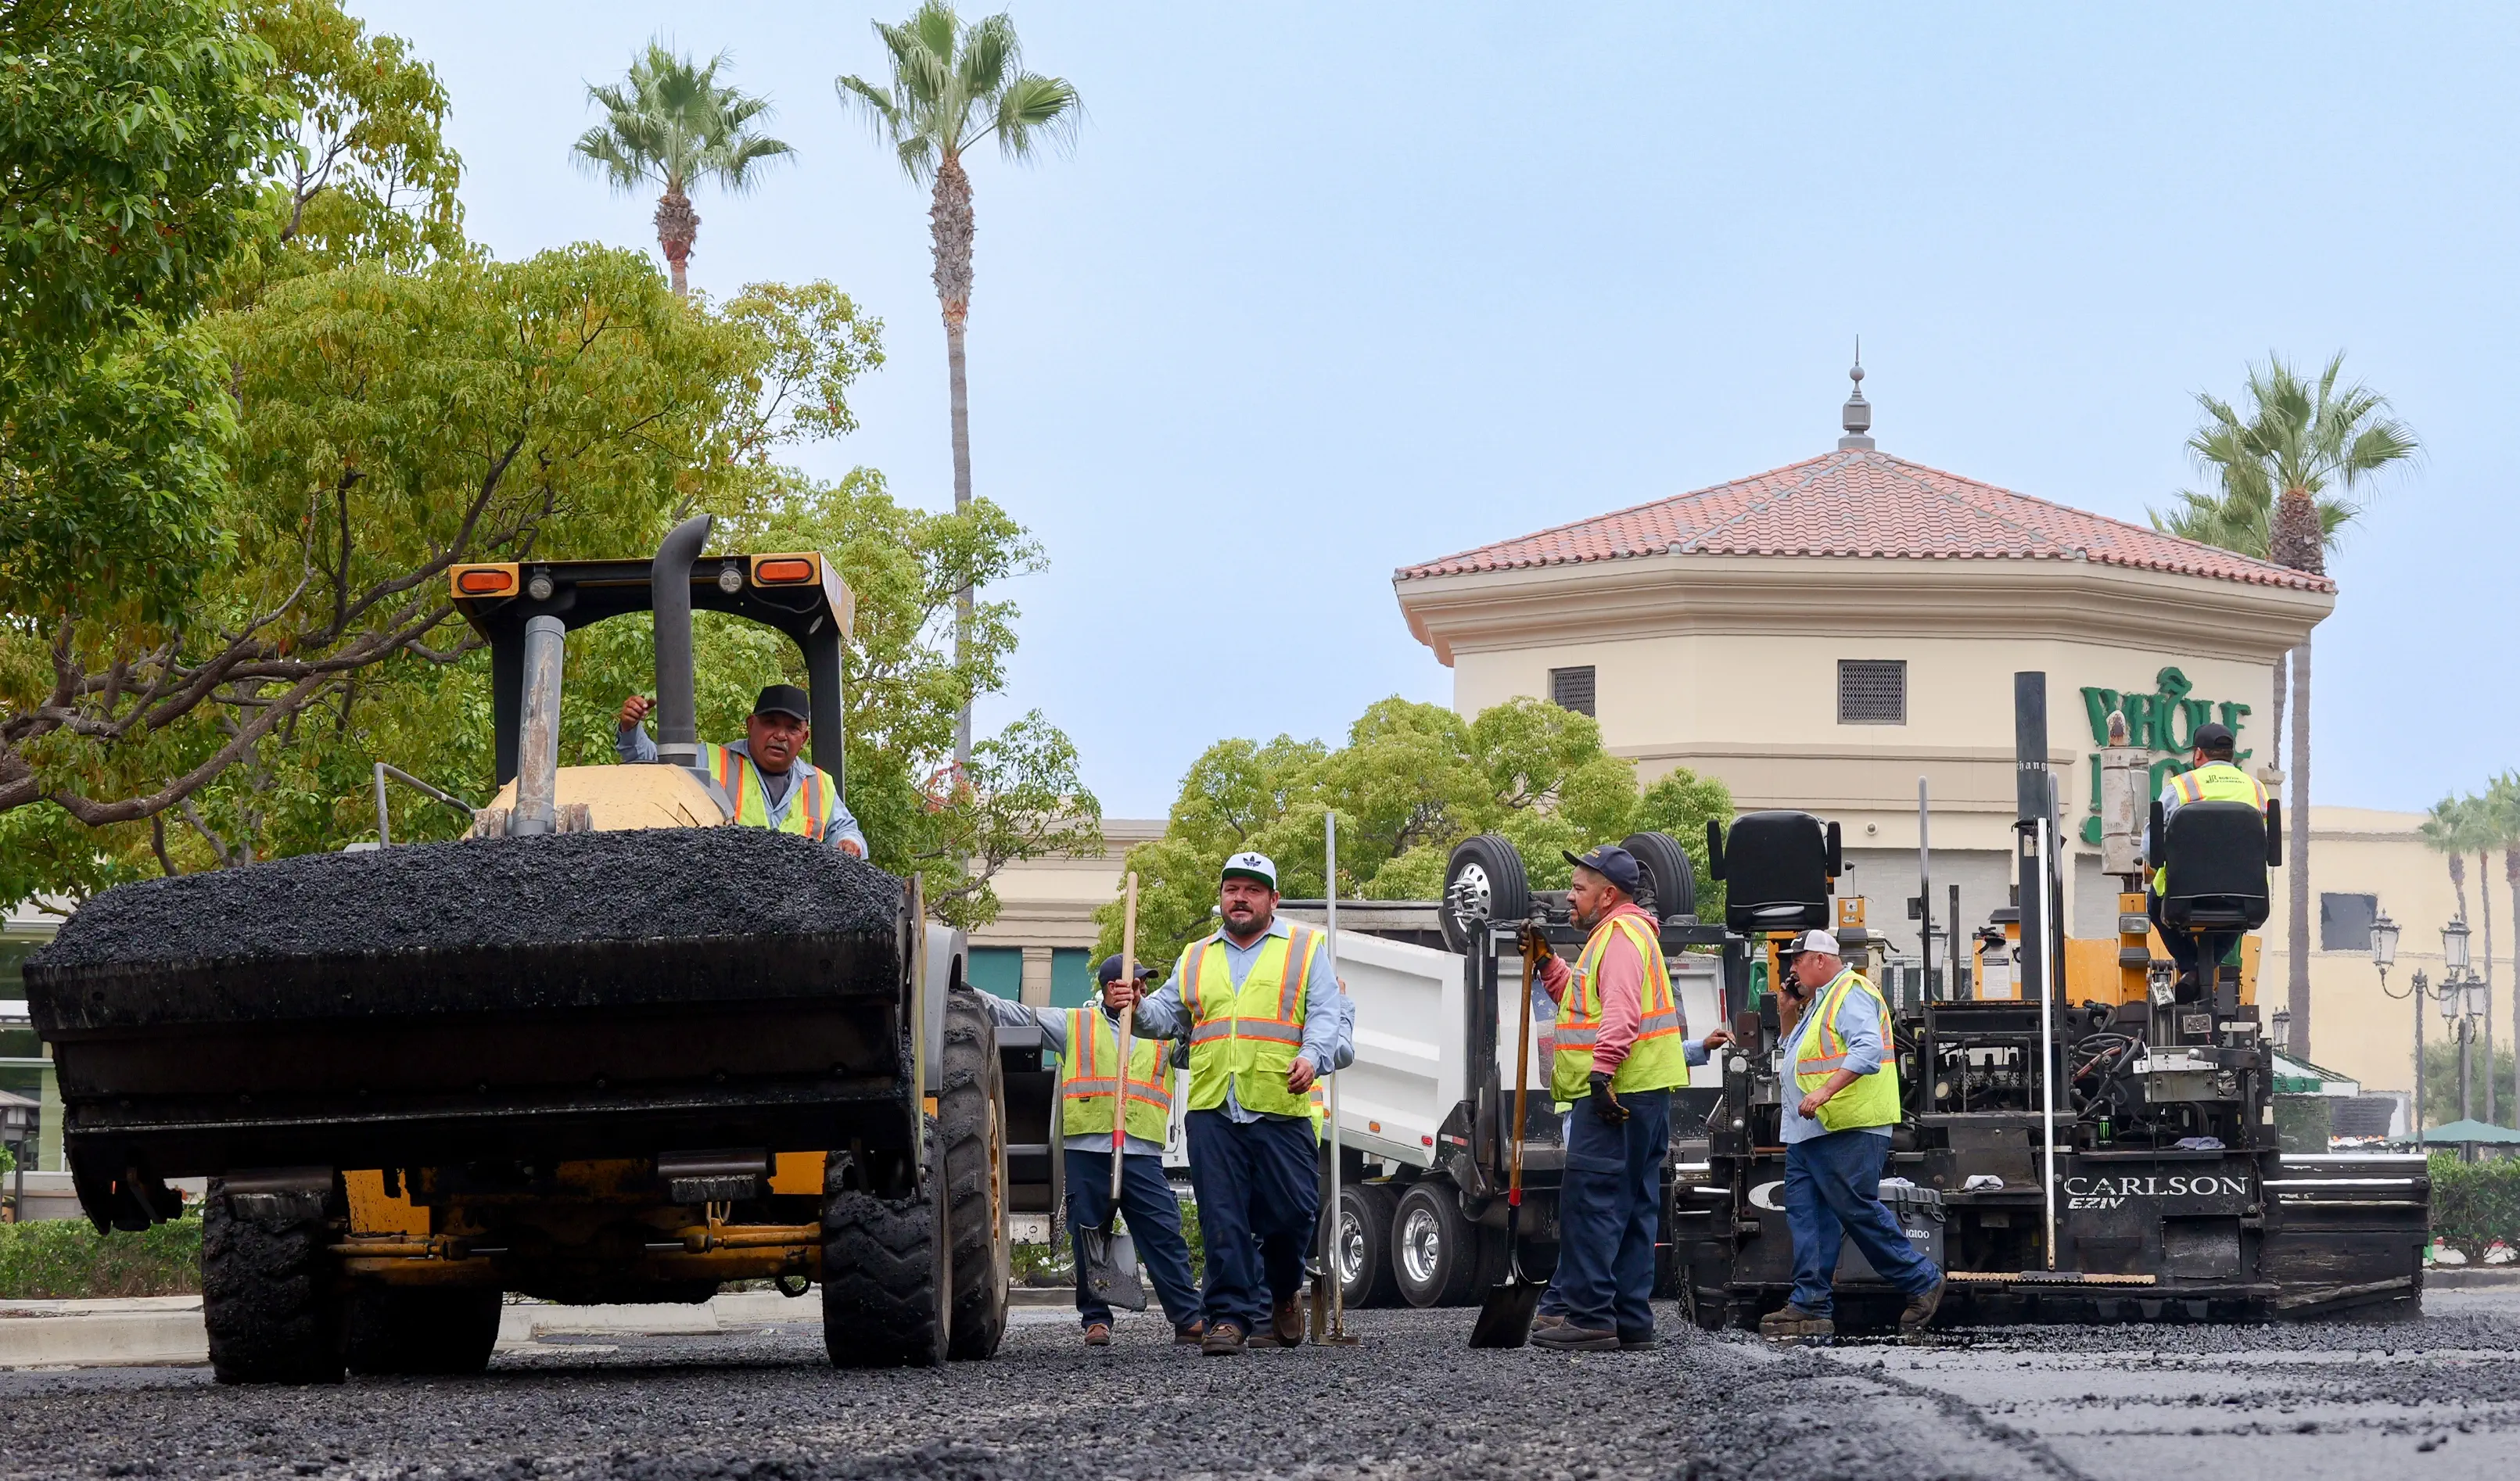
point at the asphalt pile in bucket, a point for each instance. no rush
(562, 889)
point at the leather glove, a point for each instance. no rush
(1604, 1103)
(1535, 943)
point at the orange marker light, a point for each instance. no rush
(783, 571)
(485, 582)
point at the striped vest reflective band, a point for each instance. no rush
(1873, 1098)
(1655, 1058)
(1086, 1083)
(811, 795)
(1247, 1036)
(2214, 781)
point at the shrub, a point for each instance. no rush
(2475, 1204)
(54, 1259)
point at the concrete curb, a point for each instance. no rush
(2470, 1276)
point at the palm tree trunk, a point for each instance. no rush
(2511, 877)
(2484, 873)
(678, 226)
(949, 224)
(2297, 865)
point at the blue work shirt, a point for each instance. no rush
(1330, 1015)
(1859, 1028)
(1052, 1023)
(632, 745)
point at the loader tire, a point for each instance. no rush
(971, 1119)
(422, 1329)
(1670, 885)
(271, 1297)
(887, 1270)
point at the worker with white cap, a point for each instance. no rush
(1264, 1017)
(1836, 1120)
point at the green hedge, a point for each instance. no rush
(2475, 1204)
(56, 1258)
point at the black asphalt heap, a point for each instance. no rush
(560, 921)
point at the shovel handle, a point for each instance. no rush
(1128, 1019)
(1521, 1082)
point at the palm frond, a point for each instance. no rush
(670, 120)
(1037, 105)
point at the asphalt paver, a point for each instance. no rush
(2439, 1397)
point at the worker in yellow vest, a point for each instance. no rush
(1620, 1051)
(765, 779)
(1836, 1120)
(1265, 1018)
(2212, 777)
(1091, 1081)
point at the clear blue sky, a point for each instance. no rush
(1323, 290)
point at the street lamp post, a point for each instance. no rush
(17, 1126)
(2454, 970)
(2384, 955)
(2417, 987)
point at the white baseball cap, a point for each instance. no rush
(1814, 941)
(1252, 866)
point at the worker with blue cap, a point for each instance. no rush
(1093, 1086)
(1265, 1018)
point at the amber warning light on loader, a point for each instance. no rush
(783, 570)
(485, 580)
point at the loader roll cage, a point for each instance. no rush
(797, 593)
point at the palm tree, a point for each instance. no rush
(953, 88)
(2502, 807)
(2444, 830)
(670, 124)
(2291, 469)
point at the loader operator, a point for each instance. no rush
(1837, 1141)
(762, 775)
(2213, 776)
(1087, 1042)
(1620, 1051)
(1263, 1018)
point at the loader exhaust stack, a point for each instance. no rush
(678, 730)
(538, 749)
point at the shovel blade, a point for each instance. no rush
(1108, 1264)
(1506, 1313)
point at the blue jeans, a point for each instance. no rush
(1146, 1201)
(1607, 1208)
(1832, 1194)
(1258, 1199)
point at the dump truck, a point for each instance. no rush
(2085, 1136)
(608, 1048)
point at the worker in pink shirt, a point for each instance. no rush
(1620, 1048)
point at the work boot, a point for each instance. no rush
(1921, 1309)
(1792, 1324)
(1286, 1326)
(1098, 1334)
(1546, 1320)
(1567, 1337)
(1633, 1342)
(1189, 1335)
(1224, 1339)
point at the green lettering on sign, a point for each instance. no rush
(2164, 719)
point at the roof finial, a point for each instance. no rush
(1857, 418)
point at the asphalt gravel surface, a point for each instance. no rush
(2439, 1397)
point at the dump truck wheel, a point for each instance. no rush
(971, 1119)
(1671, 881)
(1434, 1251)
(422, 1329)
(1484, 884)
(888, 1271)
(1365, 1245)
(271, 1301)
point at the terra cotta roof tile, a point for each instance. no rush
(1869, 503)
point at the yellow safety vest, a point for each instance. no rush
(1087, 1085)
(2214, 781)
(1873, 1098)
(809, 810)
(1248, 1037)
(1656, 1060)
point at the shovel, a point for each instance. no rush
(1106, 1261)
(1506, 1310)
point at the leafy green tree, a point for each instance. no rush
(953, 88)
(670, 124)
(2292, 467)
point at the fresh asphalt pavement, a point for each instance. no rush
(2439, 1397)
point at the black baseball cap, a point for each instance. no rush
(784, 699)
(2213, 736)
(1109, 971)
(1611, 863)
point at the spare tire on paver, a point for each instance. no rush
(888, 1271)
(1484, 884)
(271, 1299)
(422, 1329)
(1670, 885)
(971, 1119)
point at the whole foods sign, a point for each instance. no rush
(2165, 720)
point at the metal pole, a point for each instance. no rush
(2046, 1053)
(2466, 1035)
(2416, 992)
(1329, 925)
(1951, 949)
(384, 815)
(537, 806)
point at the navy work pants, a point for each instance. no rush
(1608, 1206)
(1258, 1199)
(1153, 1215)
(1832, 1194)
(2183, 944)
